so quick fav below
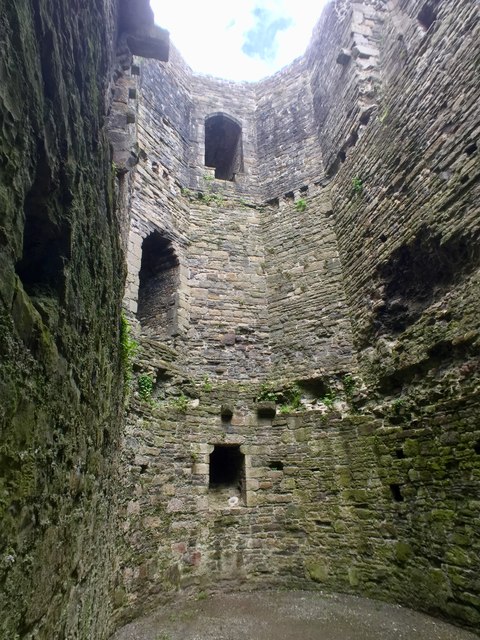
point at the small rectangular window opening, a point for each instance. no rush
(227, 471)
(396, 492)
(276, 465)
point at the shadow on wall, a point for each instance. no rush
(420, 272)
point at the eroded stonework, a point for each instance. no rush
(304, 398)
(325, 322)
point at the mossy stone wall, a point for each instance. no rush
(359, 207)
(61, 284)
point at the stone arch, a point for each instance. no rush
(159, 279)
(223, 145)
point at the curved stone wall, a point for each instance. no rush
(336, 278)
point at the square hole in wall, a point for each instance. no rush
(396, 492)
(276, 465)
(227, 471)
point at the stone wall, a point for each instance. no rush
(288, 153)
(337, 277)
(62, 272)
(328, 504)
(213, 225)
(344, 76)
(405, 210)
(309, 329)
(237, 100)
(61, 286)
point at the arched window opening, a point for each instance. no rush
(159, 280)
(223, 146)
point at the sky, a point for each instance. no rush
(242, 40)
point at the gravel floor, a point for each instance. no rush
(302, 615)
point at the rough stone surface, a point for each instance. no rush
(338, 278)
(61, 283)
(334, 281)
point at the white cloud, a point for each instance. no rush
(210, 34)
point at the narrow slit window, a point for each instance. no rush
(223, 146)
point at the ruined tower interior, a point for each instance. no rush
(290, 397)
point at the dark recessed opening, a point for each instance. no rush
(304, 189)
(227, 467)
(396, 492)
(106, 439)
(159, 279)
(223, 146)
(365, 118)
(471, 149)
(46, 234)
(226, 413)
(400, 453)
(314, 387)
(289, 196)
(419, 273)
(276, 465)
(427, 15)
(46, 249)
(476, 447)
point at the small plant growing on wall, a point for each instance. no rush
(207, 384)
(267, 393)
(186, 192)
(357, 185)
(301, 204)
(180, 403)
(145, 387)
(348, 385)
(328, 399)
(209, 197)
(292, 399)
(129, 348)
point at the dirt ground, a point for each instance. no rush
(297, 615)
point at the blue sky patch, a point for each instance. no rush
(260, 41)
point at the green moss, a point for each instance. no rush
(318, 570)
(459, 556)
(128, 348)
(353, 576)
(403, 552)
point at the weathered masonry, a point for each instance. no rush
(302, 279)
(306, 415)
